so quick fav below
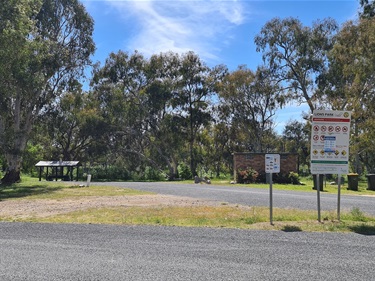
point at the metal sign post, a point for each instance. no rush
(318, 195)
(338, 196)
(271, 203)
(272, 164)
(330, 147)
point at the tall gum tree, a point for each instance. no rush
(194, 88)
(249, 100)
(349, 84)
(296, 54)
(45, 44)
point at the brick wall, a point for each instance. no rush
(243, 160)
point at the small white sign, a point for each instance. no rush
(272, 163)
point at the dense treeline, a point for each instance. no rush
(171, 115)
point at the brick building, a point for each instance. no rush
(243, 160)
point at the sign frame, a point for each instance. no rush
(330, 142)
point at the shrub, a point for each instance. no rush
(293, 178)
(248, 175)
(109, 173)
(184, 172)
(152, 174)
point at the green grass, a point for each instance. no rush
(307, 186)
(223, 215)
(32, 189)
(218, 217)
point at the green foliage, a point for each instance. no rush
(296, 54)
(184, 172)
(357, 215)
(161, 111)
(293, 178)
(45, 47)
(151, 174)
(114, 172)
(248, 103)
(31, 156)
(368, 8)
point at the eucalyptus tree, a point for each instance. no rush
(297, 54)
(296, 138)
(119, 89)
(168, 129)
(216, 150)
(45, 44)
(350, 84)
(249, 100)
(135, 97)
(368, 8)
(195, 85)
(74, 126)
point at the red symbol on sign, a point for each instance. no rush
(316, 128)
(323, 128)
(338, 129)
(345, 129)
(330, 129)
(316, 137)
(322, 137)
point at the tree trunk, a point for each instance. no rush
(13, 173)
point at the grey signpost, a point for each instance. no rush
(272, 165)
(330, 147)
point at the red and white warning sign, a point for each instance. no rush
(331, 138)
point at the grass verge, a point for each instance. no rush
(61, 190)
(224, 215)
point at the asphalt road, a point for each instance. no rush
(256, 196)
(139, 253)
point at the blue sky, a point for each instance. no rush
(220, 32)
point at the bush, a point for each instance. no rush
(294, 178)
(285, 178)
(109, 173)
(281, 178)
(248, 175)
(152, 174)
(184, 172)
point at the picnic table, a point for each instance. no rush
(58, 170)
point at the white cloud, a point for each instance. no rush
(179, 25)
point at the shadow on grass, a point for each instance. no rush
(291, 228)
(17, 191)
(363, 229)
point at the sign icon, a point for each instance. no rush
(338, 129)
(345, 129)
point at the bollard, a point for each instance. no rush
(88, 180)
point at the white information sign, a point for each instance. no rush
(330, 142)
(272, 163)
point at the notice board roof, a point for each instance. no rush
(57, 164)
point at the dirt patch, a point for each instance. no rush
(45, 207)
